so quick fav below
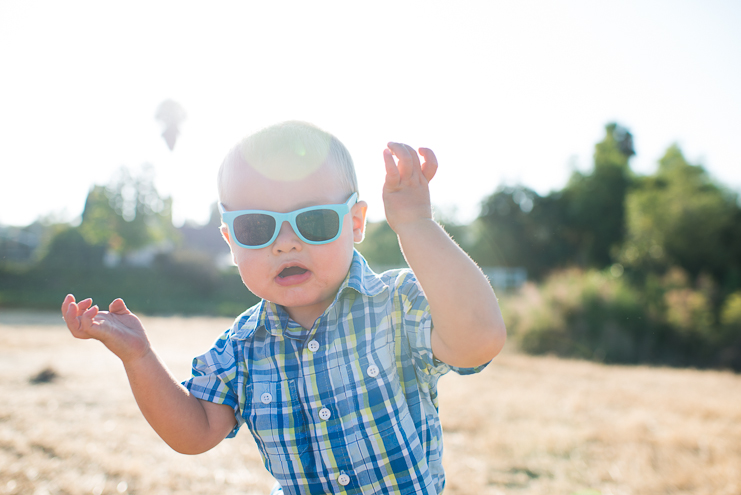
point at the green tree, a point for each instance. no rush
(594, 203)
(519, 228)
(128, 214)
(679, 216)
(581, 225)
(99, 219)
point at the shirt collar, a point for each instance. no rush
(361, 278)
(274, 319)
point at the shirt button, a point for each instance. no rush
(313, 346)
(266, 398)
(343, 479)
(372, 371)
(325, 413)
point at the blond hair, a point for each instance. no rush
(290, 151)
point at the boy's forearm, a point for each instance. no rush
(176, 415)
(468, 326)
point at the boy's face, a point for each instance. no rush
(304, 278)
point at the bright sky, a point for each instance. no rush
(505, 92)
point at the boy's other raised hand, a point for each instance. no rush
(118, 328)
(406, 194)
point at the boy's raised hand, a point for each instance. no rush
(118, 328)
(406, 195)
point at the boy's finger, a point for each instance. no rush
(392, 173)
(85, 304)
(429, 166)
(118, 306)
(406, 156)
(69, 299)
(70, 316)
(86, 319)
(399, 150)
(414, 156)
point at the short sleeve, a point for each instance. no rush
(215, 377)
(418, 327)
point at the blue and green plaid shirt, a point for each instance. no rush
(348, 406)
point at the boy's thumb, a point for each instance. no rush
(118, 306)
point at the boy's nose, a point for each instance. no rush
(287, 239)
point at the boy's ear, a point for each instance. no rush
(358, 213)
(225, 233)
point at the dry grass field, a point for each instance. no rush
(526, 425)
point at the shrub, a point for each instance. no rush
(599, 316)
(592, 314)
(730, 316)
(730, 320)
(68, 250)
(195, 270)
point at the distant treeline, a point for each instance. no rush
(628, 268)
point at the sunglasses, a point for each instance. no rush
(255, 229)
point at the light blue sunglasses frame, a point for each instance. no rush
(228, 217)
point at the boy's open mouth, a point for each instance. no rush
(291, 271)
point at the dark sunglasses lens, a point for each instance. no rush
(254, 229)
(318, 225)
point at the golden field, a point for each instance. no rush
(526, 425)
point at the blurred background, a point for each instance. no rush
(589, 157)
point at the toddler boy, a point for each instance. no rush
(335, 371)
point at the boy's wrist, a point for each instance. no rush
(136, 360)
(414, 228)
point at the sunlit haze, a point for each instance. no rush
(504, 92)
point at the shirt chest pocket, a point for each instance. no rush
(275, 417)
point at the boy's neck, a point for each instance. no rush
(306, 319)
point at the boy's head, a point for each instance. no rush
(281, 169)
(288, 151)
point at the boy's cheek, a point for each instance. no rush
(248, 276)
(246, 265)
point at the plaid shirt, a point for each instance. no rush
(349, 406)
